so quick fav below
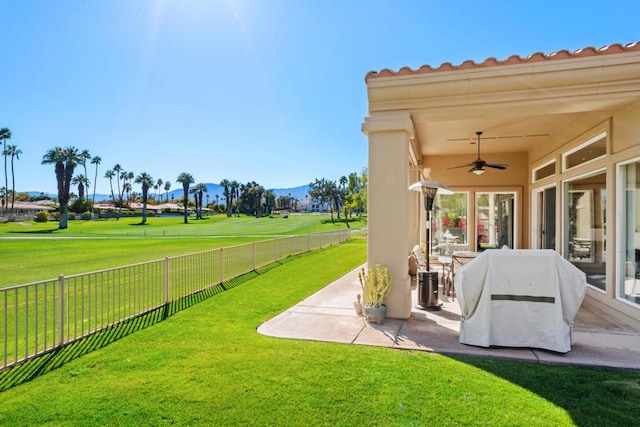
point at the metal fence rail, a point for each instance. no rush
(38, 317)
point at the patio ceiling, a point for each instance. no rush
(517, 103)
(505, 134)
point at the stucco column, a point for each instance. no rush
(415, 229)
(389, 206)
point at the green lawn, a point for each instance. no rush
(207, 365)
(32, 251)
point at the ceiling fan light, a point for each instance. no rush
(478, 171)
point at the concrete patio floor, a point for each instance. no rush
(329, 315)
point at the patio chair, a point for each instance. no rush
(417, 261)
(458, 259)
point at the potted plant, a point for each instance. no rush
(376, 285)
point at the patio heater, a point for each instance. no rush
(427, 279)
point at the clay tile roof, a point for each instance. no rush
(511, 60)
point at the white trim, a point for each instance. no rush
(534, 170)
(588, 142)
(534, 239)
(620, 251)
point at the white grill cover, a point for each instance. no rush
(519, 298)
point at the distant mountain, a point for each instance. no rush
(298, 193)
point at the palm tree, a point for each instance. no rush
(185, 179)
(257, 191)
(167, 187)
(111, 174)
(130, 177)
(65, 161)
(198, 191)
(158, 187)
(269, 201)
(14, 152)
(117, 170)
(225, 183)
(126, 189)
(4, 195)
(147, 181)
(84, 157)
(96, 160)
(81, 181)
(235, 193)
(5, 134)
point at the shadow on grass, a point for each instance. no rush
(341, 221)
(53, 230)
(592, 396)
(56, 358)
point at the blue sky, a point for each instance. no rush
(270, 91)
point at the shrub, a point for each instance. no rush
(42, 216)
(85, 215)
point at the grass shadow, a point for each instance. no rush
(618, 390)
(53, 230)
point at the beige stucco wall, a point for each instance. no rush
(625, 129)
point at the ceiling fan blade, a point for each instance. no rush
(462, 166)
(496, 166)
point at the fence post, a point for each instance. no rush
(221, 267)
(254, 256)
(167, 281)
(60, 310)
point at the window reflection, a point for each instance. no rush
(495, 225)
(630, 288)
(585, 214)
(449, 222)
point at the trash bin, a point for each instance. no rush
(428, 297)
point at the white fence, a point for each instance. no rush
(42, 316)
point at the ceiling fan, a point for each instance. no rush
(477, 166)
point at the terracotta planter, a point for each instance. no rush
(375, 314)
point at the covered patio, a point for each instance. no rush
(566, 124)
(328, 315)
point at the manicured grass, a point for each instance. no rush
(207, 365)
(31, 251)
(173, 226)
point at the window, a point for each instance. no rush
(544, 171)
(585, 217)
(593, 149)
(449, 222)
(495, 214)
(545, 218)
(629, 231)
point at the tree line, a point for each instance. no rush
(347, 194)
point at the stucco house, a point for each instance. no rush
(567, 124)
